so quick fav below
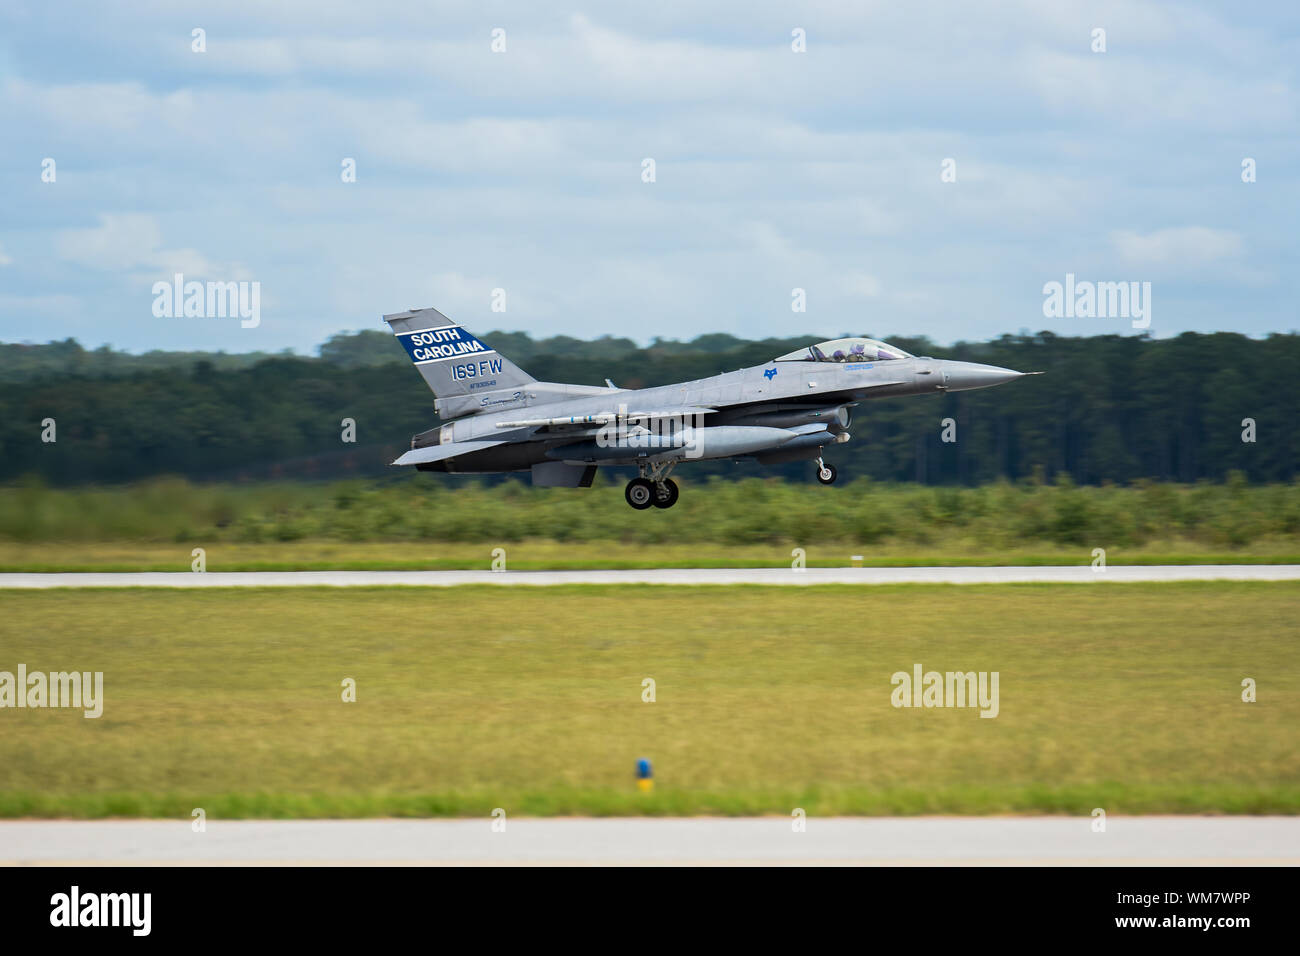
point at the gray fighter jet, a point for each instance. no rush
(498, 418)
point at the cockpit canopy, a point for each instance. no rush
(846, 350)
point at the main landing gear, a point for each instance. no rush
(826, 473)
(657, 490)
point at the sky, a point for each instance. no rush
(914, 168)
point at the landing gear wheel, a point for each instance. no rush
(666, 494)
(640, 493)
(826, 474)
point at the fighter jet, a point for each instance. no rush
(498, 418)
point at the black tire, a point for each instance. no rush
(668, 497)
(640, 494)
(830, 479)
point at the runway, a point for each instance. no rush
(695, 841)
(1075, 574)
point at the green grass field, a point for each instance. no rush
(1126, 697)
(720, 514)
(415, 522)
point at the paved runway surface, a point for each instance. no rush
(1082, 574)
(915, 840)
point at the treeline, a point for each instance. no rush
(1110, 408)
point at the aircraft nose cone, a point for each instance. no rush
(960, 376)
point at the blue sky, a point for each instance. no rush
(522, 170)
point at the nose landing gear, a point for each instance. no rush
(826, 474)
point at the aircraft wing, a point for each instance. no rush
(418, 456)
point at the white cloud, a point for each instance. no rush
(775, 169)
(861, 284)
(132, 243)
(455, 292)
(1187, 246)
(97, 108)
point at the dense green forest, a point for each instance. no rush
(1110, 408)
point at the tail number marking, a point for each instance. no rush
(473, 370)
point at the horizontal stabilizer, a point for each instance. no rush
(420, 456)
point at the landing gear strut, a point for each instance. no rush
(826, 473)
(666, 493)
(653, 488)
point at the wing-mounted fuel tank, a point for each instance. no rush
(719, 441)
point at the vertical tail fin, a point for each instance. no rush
(457, 366)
